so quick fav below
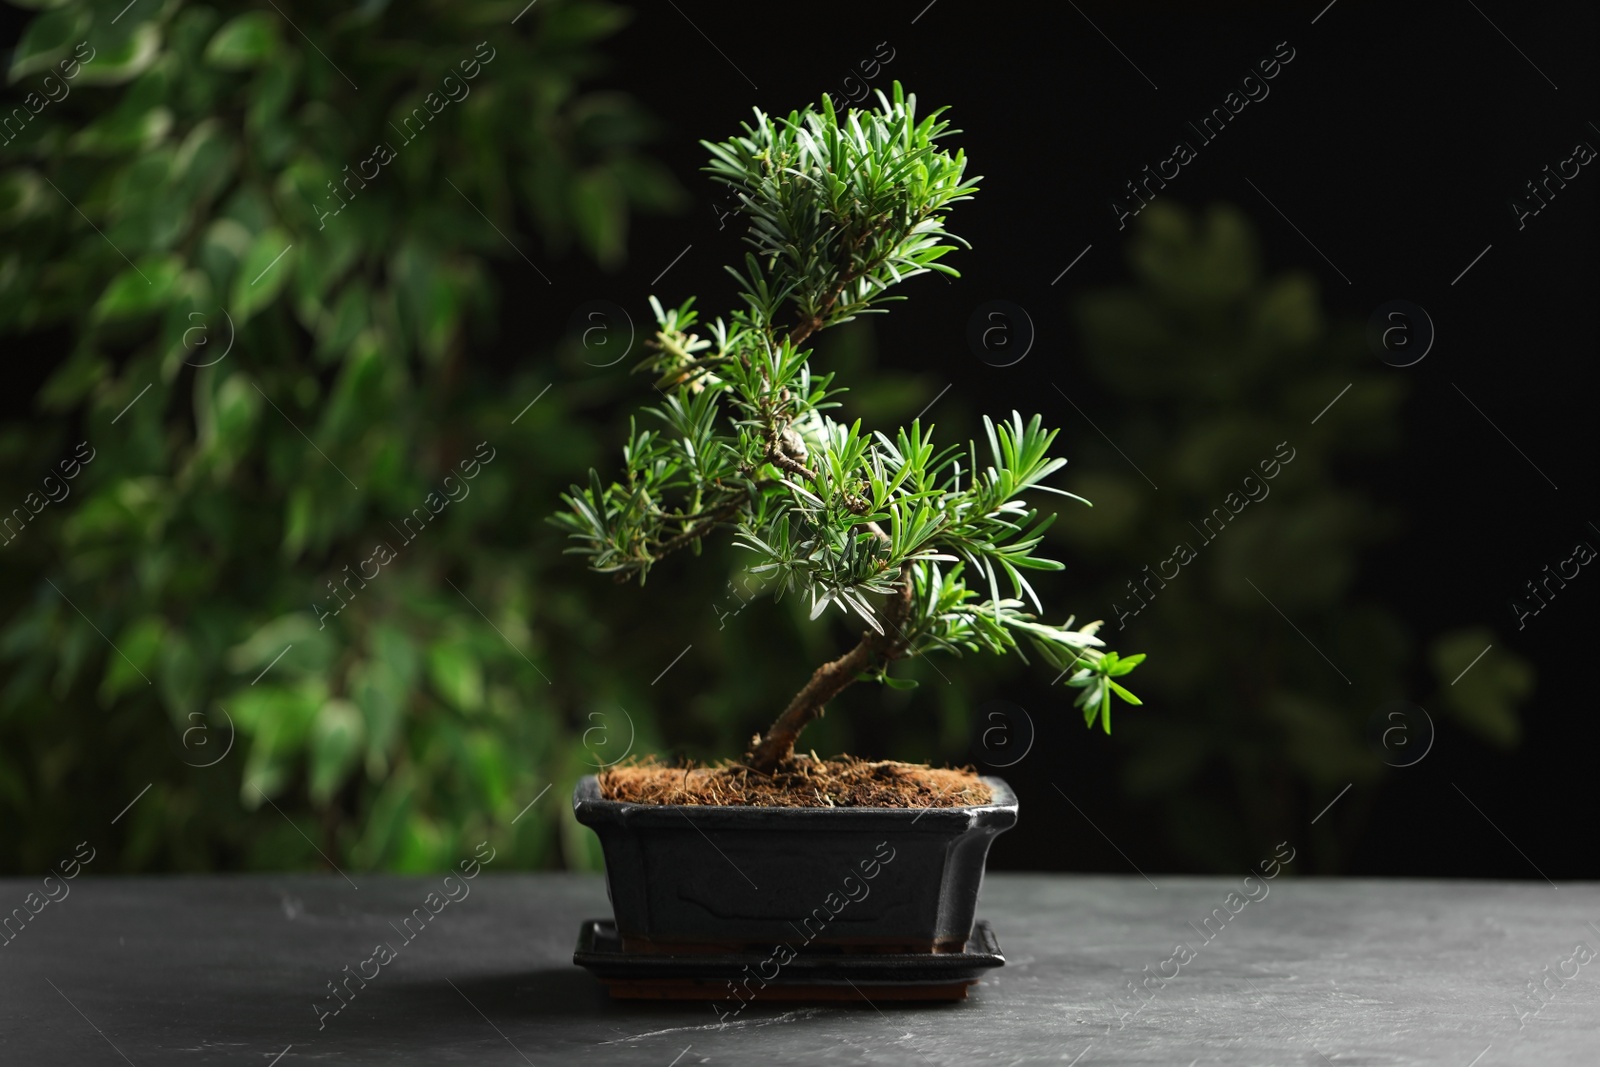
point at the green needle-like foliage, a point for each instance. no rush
(926, 545)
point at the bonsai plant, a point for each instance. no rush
(924, 547)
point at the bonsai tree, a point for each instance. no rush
(913, 540)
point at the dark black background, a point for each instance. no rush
(1394, 139)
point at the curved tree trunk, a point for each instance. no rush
(770, 752)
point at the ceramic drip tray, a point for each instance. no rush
(783, 974)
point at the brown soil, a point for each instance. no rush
(805, 782)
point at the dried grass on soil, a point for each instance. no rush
(806, 782)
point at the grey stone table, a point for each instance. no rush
(230, 970)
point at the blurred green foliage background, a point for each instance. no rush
(166, 615)
(179, 196)
(1212, 363)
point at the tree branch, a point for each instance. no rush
(848, 277)
(808, 326)
(709, 520)
(694, 533)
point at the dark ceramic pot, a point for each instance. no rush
(684, 878)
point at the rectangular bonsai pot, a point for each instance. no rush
(688, 878)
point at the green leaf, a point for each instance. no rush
(649, 184)
(600, 210)
(312, 650)
(264, 775)
(22, 196)
(73, 380)
(204, 162)
(248, 40)
(336, 739)
(139, 290)
(899, 683)
(338, 328)
(225, 418)
(456, 674)
(180, 679)
(133, 658)
(264, 271)
(299, 518)
(1126, 664)
(277, 721)
(1123, 693)
(431, 298)
(388, 815)
(486, 763)
(382, 686)
(1486, 697)
(422, 846)
(126, 129)
(574, 24)
(46, 39)
(123, 60)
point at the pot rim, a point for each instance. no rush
(1000, 813)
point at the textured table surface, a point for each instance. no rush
(228, 970)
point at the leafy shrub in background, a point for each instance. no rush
(190, 194)
(1211, 366)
